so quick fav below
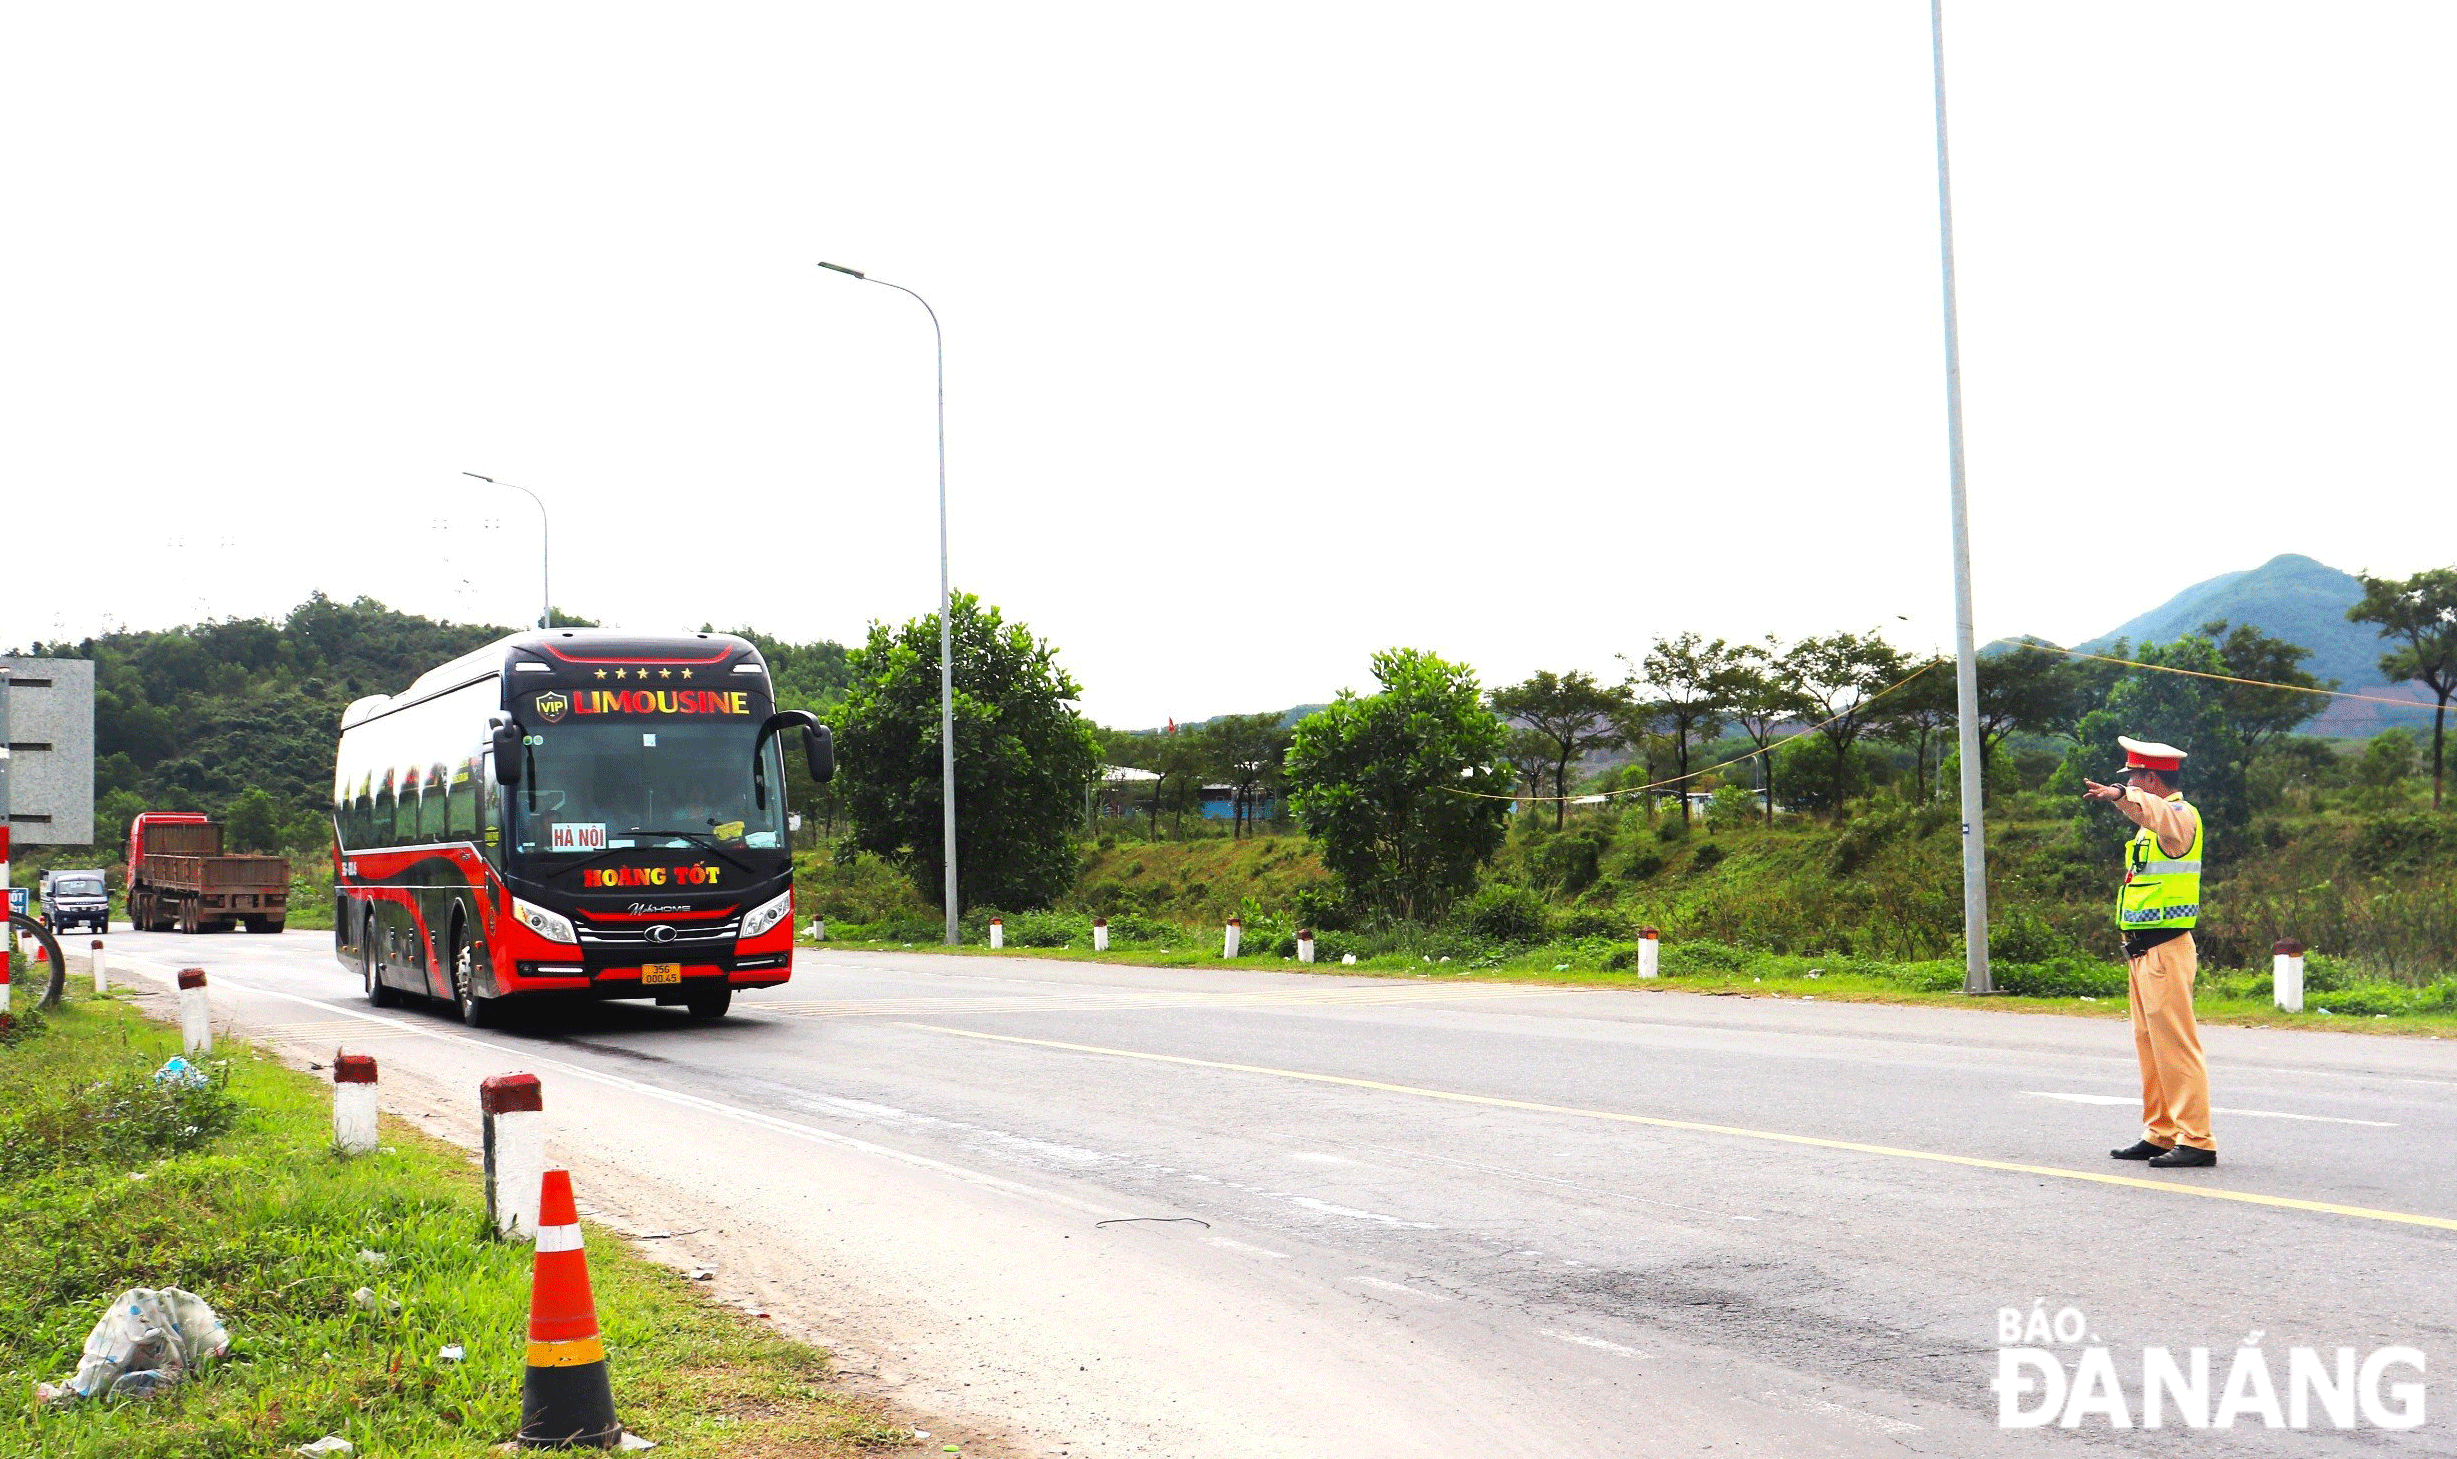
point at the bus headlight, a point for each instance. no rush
(767, 914)
(549, 925)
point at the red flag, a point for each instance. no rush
(1173, 724)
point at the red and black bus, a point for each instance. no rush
(588, 813)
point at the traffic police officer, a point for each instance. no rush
(2156, 911)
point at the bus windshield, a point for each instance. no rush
(601, 787)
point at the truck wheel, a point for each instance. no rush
(711, 1004)
(379, 993)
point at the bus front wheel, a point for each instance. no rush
(475, 1011)
(711, 1004)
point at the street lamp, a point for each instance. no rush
(946, 623)
(546, 595)
(1975, 976)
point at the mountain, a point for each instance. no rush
(2304, 602)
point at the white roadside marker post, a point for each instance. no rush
(100, 968)
(354, 1103)
(1305, 944)
(1229, 937)
(513, 1107)
(2286, 975)
(195, 1018)
(998, 932)
(1648, 945)
(1100, 934)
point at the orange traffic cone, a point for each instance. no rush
(565, 1400)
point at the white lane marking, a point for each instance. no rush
(1585, 1341)
(1314, 1158)
(1845, 1412)
(1400, 1287)
(1223, 1241)
(1353, 1214)
(533, 1062)
(1529, 1175)
(2250, 1114)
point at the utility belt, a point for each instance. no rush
(2137, 943)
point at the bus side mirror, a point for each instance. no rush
(506, 745)
(819, 751)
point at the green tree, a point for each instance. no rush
(254, 821)
(1762, 697)
(2259, 714)
(1374, 780)
(1683, 681)
(2186, 712)
(1840, 675)
(2387, 763)
(1922, 714)
(1561, 717)
(1023, 757)
(1246, 751)
(2422, 610)
(2033, 688)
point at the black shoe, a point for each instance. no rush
(2139, 1150)
(2183, 1157)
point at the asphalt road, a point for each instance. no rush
(1107, 1210)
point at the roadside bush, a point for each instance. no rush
(1592, 922)
(1048, 929)
(1505, 914)
(1706, 858)
(1703, 957)
(1642, 864)
(2061, 978)
(2018, 935)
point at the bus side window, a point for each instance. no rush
(431, 809)
(490, 828)
(362, 814)
(458, 805)
(383, 828)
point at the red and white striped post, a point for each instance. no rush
(5, 1015)
(100, 969)
(998, 932)
(195, 1018)
(354, 1103)
(2286, 975)
(513, 1107)
(1649, 943)
(1305, 944)
(1231, 936)
(1100, 934)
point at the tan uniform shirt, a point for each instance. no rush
(2170, 819)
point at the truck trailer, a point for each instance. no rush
(179, 879)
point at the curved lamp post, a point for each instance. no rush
(946, 623)
(545, 545)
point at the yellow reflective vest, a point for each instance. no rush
(2159, 892)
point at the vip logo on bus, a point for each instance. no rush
(550, 706)
(659, 701)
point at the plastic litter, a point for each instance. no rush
(1349, 958)
(150, 1339)
(452, 1352)
(634, 1441)
(702, 1274)
(329, 1444)
(375, 1259)
(179, 1073)
(368, 1301)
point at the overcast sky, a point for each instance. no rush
(1275, 334)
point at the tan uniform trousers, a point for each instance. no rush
(2175, 1081)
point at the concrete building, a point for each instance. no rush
(51, 751)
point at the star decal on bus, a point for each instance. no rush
(601, 673)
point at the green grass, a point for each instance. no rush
(234, 1194)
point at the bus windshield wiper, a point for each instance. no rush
(696, 838)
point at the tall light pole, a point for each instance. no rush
(545, 544)
(1975, 977)
(946, 623)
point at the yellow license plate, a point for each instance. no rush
(661, 973)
